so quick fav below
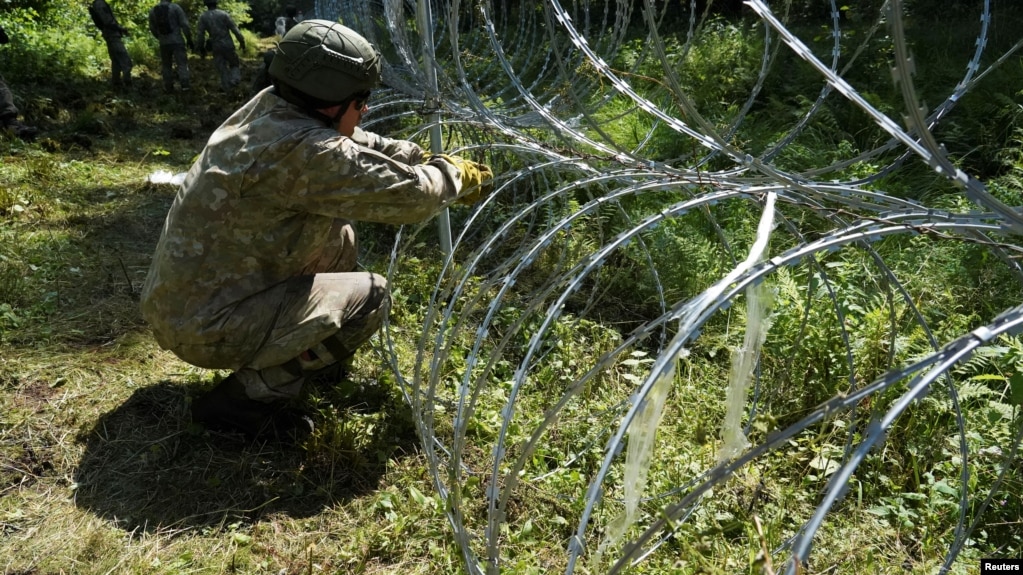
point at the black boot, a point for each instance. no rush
(21, 130)
(331, 375)
(226, 407)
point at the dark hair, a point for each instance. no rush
(290, 10)
(301, 99)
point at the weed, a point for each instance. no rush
(102, 471)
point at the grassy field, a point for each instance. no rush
(100, 468)
(102, 472)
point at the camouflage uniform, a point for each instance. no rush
(220, 26)
(120, 62)
(172, 44)
(8, 111)
(254, 265)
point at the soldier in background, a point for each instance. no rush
(220, 27)
(284, 23)
(120, 62)
(255, 269)
(291, 17)
(169, 25)
(8, 111)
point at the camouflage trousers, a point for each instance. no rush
(120, 62)
(226, 62)
(7, 108)
(172, 55)
(318, 319)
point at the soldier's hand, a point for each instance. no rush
(477, 179)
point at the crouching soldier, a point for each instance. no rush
(254, 271)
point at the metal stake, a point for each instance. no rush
(424, 15)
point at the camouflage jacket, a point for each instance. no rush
(258, 203)
(219, 25)
(178, 24)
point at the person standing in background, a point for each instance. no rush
(169, 25)
(219, 25)
(120, 62)
(8, 112)
(284, 23)
(291, 17)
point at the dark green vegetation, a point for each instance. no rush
(100, 471)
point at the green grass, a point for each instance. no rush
(101, 470)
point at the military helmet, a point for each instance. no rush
(326, 61)
(210, 3)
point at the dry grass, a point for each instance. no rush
(101, 470)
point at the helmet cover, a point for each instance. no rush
(326, 60)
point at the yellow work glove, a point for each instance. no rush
(477, 179)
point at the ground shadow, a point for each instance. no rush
(146, 466)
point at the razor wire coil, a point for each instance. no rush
(531, 90)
